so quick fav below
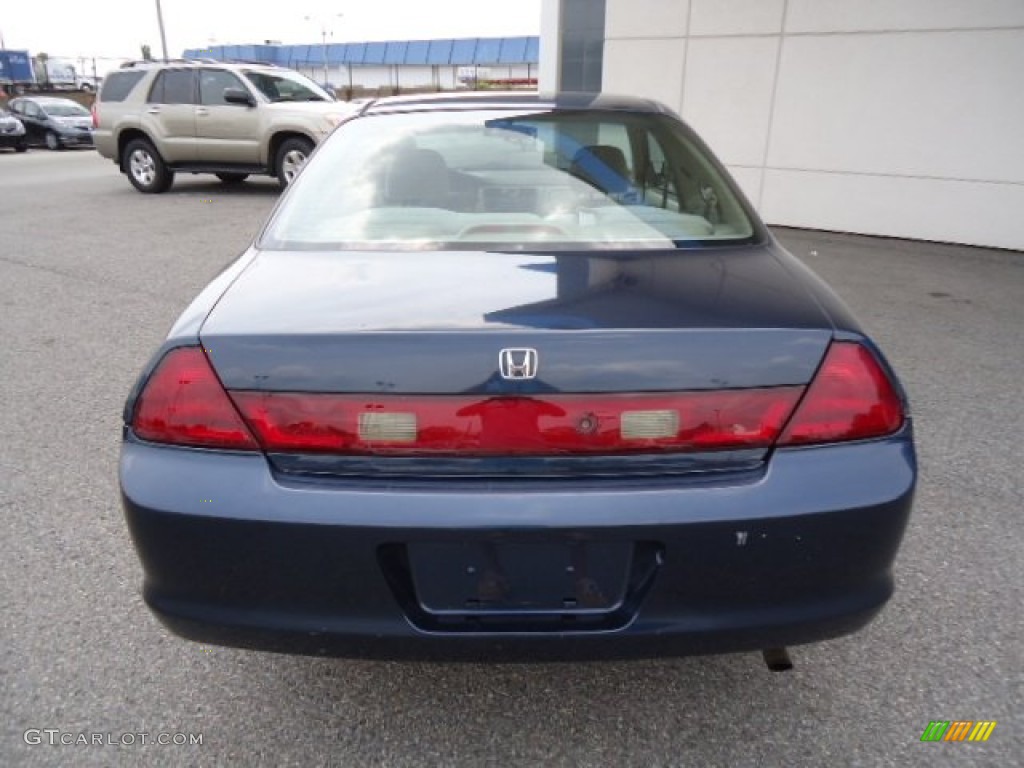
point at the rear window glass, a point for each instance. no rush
(174, 86)
(117, 85)
(509, 179)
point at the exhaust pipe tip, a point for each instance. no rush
(777, 659)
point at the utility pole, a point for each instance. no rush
(325, 32)
(323, 38)
(163, 36)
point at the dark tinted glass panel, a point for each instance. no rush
(117, 85)
(174, 86)
(582, 45)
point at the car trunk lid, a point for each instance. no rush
(440, 340)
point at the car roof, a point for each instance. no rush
(567, 100)
(44, 100)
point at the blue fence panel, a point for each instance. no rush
(417, 52)
(464, 51)
(336, 54)
(300, 55)
(488, 51)
(440, 52)
(513, 50)
(264, 53)
(394, 52)
(375, 53)
(355, 53)
(461, 52)
(316, 54)
(533, 50)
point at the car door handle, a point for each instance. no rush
(201, 111)
(153, 110)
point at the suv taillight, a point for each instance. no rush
(850, 398)
(95, 117)
(184, 403)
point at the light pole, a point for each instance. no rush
(160, 21)
(325, 31)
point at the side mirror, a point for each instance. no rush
(239, 96)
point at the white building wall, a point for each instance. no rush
(901, 118)
(550, 45)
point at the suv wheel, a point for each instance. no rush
(53, 141)
(291, 156)
(146, 169)
(232, 178)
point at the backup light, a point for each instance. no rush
(638, 425)
(387, 427)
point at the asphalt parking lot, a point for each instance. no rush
(91, 276)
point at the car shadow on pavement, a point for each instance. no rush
(259, 187)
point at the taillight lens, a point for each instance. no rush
(95, 117)
(489, 426)
(183, 403)
(850, 398)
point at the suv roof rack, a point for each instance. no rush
(158, 62)
(255, 62)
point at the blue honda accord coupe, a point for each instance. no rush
(516, 377)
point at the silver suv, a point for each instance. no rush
(157, 118)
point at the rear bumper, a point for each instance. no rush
(105, 144)
(799, 553)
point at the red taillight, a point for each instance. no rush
(95, 117)
(851, 398)
(183, 403)
(489, 426)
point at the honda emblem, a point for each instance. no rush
(518, 363)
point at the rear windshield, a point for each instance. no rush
(509, 179)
